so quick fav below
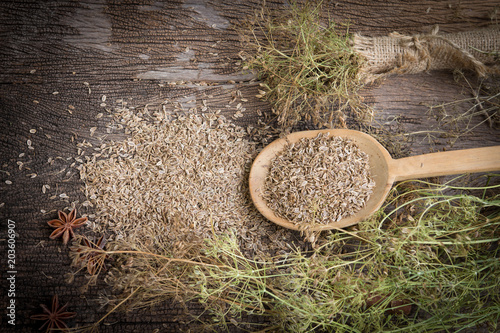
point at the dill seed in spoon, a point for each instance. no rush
(318, 180)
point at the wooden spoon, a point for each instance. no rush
(384, 170)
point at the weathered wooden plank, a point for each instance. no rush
(159, 40)
(408, 101)
(58, 58)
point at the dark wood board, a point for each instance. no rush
(58, 58)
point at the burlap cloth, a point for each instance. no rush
(476, 50)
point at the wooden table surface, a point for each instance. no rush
(59, 58)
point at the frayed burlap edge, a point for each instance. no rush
(476, 50)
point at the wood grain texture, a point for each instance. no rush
(58, 58)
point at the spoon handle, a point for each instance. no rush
(446, 163)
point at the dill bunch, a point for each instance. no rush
(308, 69)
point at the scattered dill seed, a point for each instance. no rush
(177, 180)
(318, 180)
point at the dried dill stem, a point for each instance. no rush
(318, 180)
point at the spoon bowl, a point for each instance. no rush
(384, 171)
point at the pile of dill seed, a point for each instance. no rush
(172, 181)
(318, 180)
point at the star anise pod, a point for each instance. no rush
(65, 225)
(54, 318)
